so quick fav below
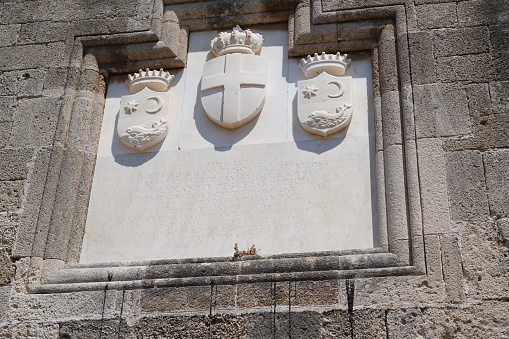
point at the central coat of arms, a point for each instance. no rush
(233, 83)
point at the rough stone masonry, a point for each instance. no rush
(441, 78)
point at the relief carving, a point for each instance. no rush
(233, 83)
(325, 101)
(143, 116)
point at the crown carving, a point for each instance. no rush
(155, 80)
(334, 64)
(236, 41)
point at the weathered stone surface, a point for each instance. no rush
(497, 180)
(499, 91)
(37, 307)
(44, 32)
(14, 164)
(7, 268)
(485, 254)
(9, 35)
(467, 186)
(23, 12)
(5, 293)
(489, 132)
(452, 267)
(498, 38)
(8, 226)
(475, 68)
(476, 321)
(5, 132)
(31, 56)
(362, 323)
(436, 15)
(29, 330)
(7, 105)
(441, 110)
(9, 85)
(11, 195)
(433, 179)
(421, 58)
(186, 298)
(283, 325)
(476, 12)
(470, 40)
(479, 102)
(35, 121)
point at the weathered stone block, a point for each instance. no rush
(8, 83)
(498, 38)
(23, 12)
(441, 110)
(170, 299)
(489, 132)
(479, 102)
(283, 325)
(433, 180)
(35, 121)
(421, 58)
(475, 68)
(44, 32)
(265, 294)
(478, 321)
(7, 268)
(479, 12)
(452, 267)
(5, 132)
(11, 194)
(8, 226)
(436, 15)
(362, 323)
(469, 40)
(7, 106)
(467, 186)
(30, 82)
(33, 56)
(41, 307)
(497, 180)
(500, 66)
(29, 330)
(485, 261)
(9, 35)
(499, 92)
(5, 293)
(14, 164)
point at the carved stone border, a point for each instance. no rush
(59, 229)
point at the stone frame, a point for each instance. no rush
(55, 231)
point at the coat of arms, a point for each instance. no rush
(325, 101)
(143, 117)
(233, 83)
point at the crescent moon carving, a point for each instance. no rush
(159, 105)
(340, 88)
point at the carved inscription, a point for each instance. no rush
(199, 203)
(238, 198)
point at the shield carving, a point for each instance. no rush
(325, 104)
(233, 88)
(143, 119)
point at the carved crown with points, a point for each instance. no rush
(236, 41)
(334, 64)
(155, 80)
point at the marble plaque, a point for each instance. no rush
(204, 188)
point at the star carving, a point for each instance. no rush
(310, 91)
(131, 107)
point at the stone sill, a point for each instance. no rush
(221, 271)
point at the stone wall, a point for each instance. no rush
(54, 58)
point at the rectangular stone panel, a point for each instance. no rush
(205, 188)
